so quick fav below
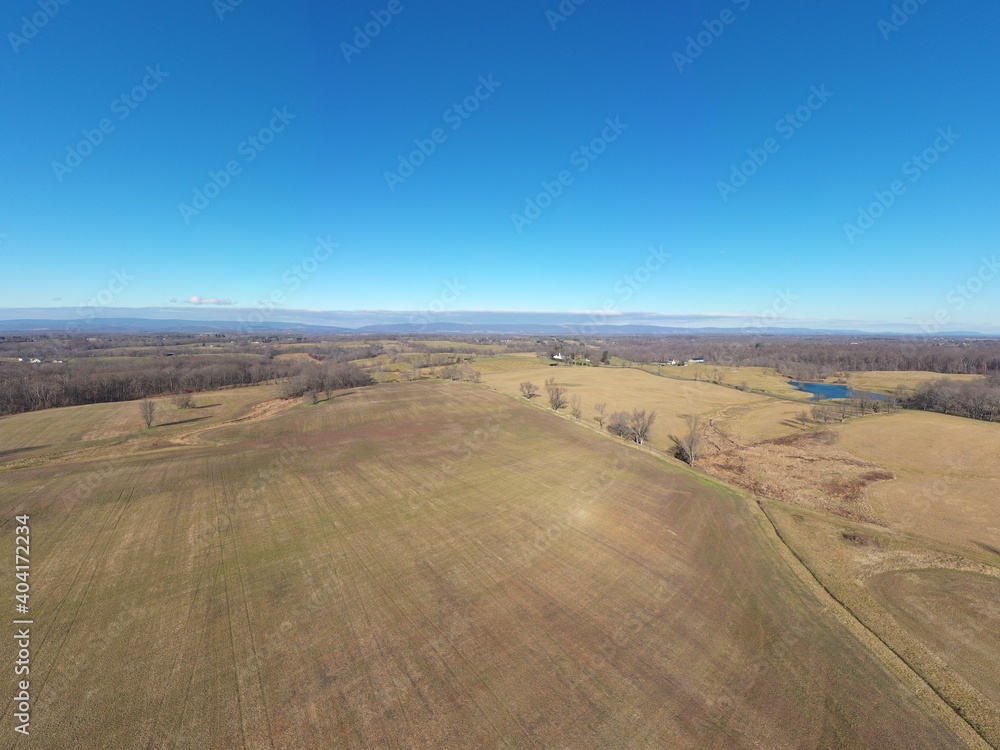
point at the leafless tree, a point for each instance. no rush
(575, 407)
(689, 444)
(640, 422)
(148, 411)
(618, 424)
(599, 408)
(557, 395)
(183, 401)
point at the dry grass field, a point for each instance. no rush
(921, 564)
(755, 378)
(877, 381)
(100, 429)
(428, 565)
(624, 389)
(947, 484)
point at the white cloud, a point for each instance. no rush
(194, 299)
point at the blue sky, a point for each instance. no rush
(677, 184)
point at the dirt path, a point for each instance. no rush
(260, 411)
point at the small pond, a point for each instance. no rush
(831, 390)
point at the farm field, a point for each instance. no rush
(756, 378)
(947, 484)
(920, 563)
(431, 565)
(878, 381)
(624, 389)
(92, 426)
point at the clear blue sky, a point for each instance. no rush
(691, 112)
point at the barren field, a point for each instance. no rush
(755, 378)
(431, 565)
(879, 381)
(947, 484)
(624, 389)
(101, 430)
(922, 568)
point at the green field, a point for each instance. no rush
(429, 565)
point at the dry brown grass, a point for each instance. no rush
(624, 389)
(804, 469)
(431, 565)
(885, 381)
(947, 485)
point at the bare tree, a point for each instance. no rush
(599, 408)
(183, 401)
(845, 409)
(689, 444)
(618, 424)
(820, 413)
(529, 390)
(639, 423)
(557, 395)
(148, 411)
(575, 407)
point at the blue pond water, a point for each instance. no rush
(830, 390)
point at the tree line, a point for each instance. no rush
(978, 399)
(26, 387)
(634, 426)
(813, 357)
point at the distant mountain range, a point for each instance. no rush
(166, 325)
